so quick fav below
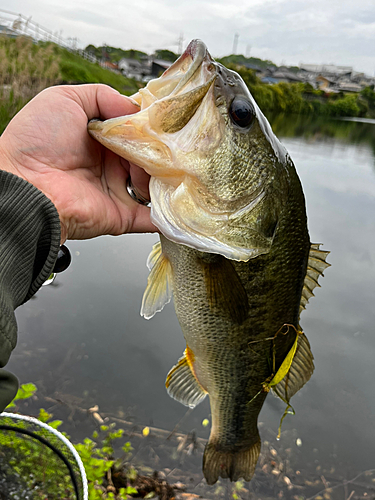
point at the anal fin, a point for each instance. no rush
(182, 384)
(159, 284)
(300, 370)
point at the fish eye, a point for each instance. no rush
(241, 111)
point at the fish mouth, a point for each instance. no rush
(179, 127)
(166, 104)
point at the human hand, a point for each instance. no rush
(47, 144)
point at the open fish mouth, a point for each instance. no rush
(209, 189)
(165, 127)
(166, 104)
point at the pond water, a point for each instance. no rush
(83, 337)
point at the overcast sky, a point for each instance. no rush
(341, 32)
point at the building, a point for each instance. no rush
(158, 66)
(332, 78)
(132, 68)
(276, 75)
(111, 66)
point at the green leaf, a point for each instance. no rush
(131, 491)
(132, 474)
(24, 392)
(55, 424)
(239, 484)
(127, 448)
(107, 450)
(44, 416)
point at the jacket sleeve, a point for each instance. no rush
(29, 243)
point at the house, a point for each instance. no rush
(332, 78)
(158, 66)
(254, 67)
(348, 86)
(276, 75)
(325, 69)
(287, 76)
(325, 83)
(111, 66)
(133, 68)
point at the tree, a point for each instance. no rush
(166, 55)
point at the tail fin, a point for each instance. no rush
(227, 464)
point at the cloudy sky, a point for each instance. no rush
(285, 31)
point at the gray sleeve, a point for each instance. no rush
(29, 243)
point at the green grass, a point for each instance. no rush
(76, 69)
(26, 68)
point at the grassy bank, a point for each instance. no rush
(26, 68)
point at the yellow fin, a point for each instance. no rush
(226, 294)
(284, 368)
(300, 370)
(229, 464)
(182, 384)
(315, 267)
(154, 255)
(159, 284)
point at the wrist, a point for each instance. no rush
(6, 162)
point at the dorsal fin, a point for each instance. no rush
(315, 267)
(182, 383)
(300, 371)
(159, 284)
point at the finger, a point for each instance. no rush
(140, 180)
(141, 222)
(101, 101)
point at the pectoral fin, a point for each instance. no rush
(299, 372)
(315, 267)
(159, 284)
(182, 383)
(226, 294)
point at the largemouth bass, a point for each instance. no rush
(234, 249)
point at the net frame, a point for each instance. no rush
(81, 493)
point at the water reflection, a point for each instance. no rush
(85, 338)
(348, 131)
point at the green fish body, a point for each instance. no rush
(234, 252)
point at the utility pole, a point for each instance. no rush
(235, 43)
(180, 43)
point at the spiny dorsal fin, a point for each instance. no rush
(300, 370)
(315, 267)
(182, 384)
(159, 284)
(226, 294)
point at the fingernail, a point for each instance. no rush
(133, 101)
